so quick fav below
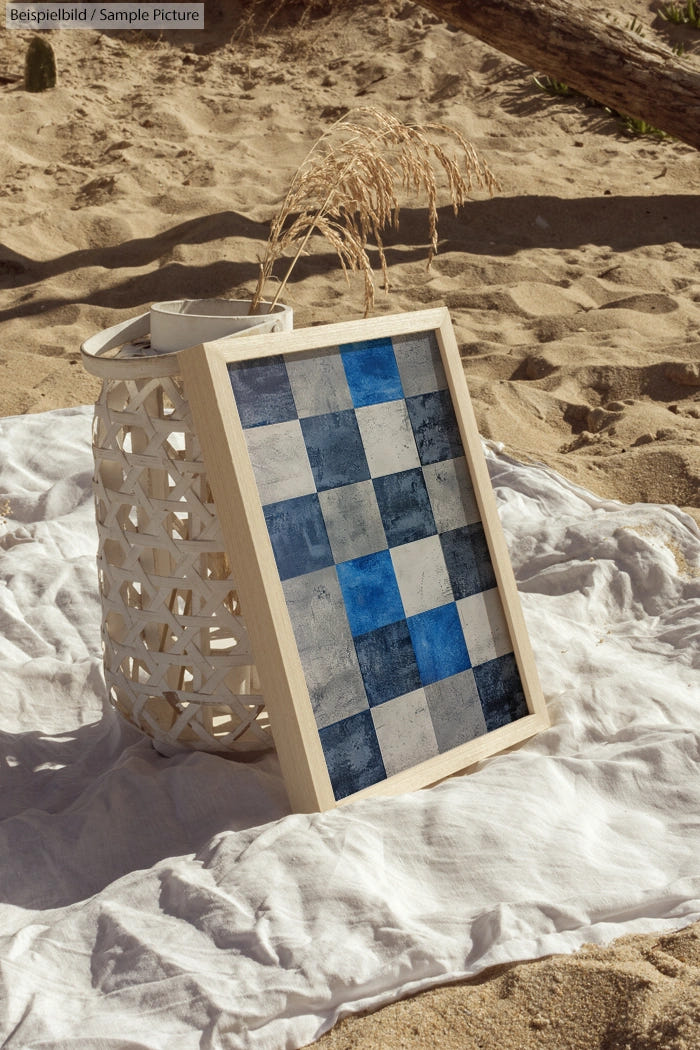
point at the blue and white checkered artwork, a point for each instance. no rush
(381, 552)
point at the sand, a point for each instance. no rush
(641, 994)
(152, 171)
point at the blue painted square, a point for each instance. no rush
(468, 560)
(335, 449)
(404, 505)
(438, 642)
(262, 391)
(352, 753)
(371, 370)
(387, 662)
(371, 593)
(434, 426)
(500, 691)
(298, 535)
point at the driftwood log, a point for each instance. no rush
(609, 63)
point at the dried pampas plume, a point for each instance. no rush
(347, 191)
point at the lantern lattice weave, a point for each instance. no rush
(177, 659)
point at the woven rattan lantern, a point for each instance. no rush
(177, 660)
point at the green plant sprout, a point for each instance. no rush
(552, 86)
(638, 126)
(632, 125)
(635, 26)
(682, 14)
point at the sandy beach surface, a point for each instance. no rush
(152, 171)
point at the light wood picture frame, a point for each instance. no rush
(374, 579)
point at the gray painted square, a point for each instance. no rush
(422, 576)
(455, 710)
(388, 438)
(485, 627)
(405, 732)
(280, 461)
(451, 494)
(325, 645)
(419, 363)
(353, 521)
(318, 382)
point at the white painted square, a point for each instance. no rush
(388, 438)
(451, 494)
(280, 461)
(405, 731)
(422, 575)
(485, 628)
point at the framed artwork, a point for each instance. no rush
(364, 539)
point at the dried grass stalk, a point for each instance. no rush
(347, 191)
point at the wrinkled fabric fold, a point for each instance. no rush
(148, 902)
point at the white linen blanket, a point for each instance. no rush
(148, 902)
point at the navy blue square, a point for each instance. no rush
(335, 449)
(387, 662)
(500, 691)
(370, 592)
(404, 506)
(438, 642)
(468, 560)
(298, 535)
(262, 391)
(372, 372)
(434, 426)
(352, 753)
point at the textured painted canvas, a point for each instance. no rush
(381, 551)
